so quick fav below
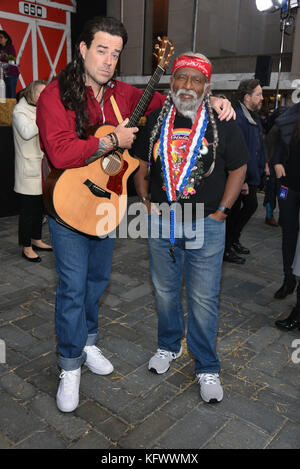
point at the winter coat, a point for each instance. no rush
(253, 133)
(28, 154)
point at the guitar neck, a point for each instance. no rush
(145, 98)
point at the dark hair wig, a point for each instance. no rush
(72, 78)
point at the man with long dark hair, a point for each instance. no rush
(80, 98)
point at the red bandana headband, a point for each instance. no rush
(193, 62)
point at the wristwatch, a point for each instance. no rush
(143, 199)
(224, 209)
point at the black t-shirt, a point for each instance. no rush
(232, 153)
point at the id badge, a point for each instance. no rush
(283, 192)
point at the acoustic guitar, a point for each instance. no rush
(92, 199)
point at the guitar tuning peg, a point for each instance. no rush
(159, 38)
(156, 46)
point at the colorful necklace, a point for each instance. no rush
(174, 188)
(175, 184)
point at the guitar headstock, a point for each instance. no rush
(164, 51)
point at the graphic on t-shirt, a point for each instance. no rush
(180, 139)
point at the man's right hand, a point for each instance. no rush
(125, 135)
(279, 170)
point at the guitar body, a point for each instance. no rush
(91, 199)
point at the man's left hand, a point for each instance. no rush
(223, 108)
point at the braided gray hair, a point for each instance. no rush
(166, 108)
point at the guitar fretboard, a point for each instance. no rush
(145, 98)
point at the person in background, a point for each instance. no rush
(293, 320)
(28, 172)
(286, 162)
(11, 72)
(250, 102)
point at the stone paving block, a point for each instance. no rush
(183, 376)
(251, 409)
(145, 435)
(193, 430)
(40, 307)
(142, 407)
(140, 381)
(237, 434)
(182, 403)
(282, 405)
(106, 392)
(33, 367)
(17, 339)
(16, 421)
(232, 341)
(66, 424)
(120, 329)
(46, 382)
(17, 387)
(11, 313)
(92, 440)
(44, 331)
(263, 380)
(29, 322)
(113, 429)
(93, 413)
(128, 351)
(230, 320)
(261, 339)
(237, 359)
(124, 279)
(245, 290)
(287, 437)
(271, 359)
(4, 442)
(43, 439)
(255, 322)
(137, 292)
(42, 347)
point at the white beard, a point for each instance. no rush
(188, 108)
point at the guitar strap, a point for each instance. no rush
(116, 110)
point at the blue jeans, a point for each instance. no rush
(202, 267)
(83, 266)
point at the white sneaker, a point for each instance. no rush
(160, 362)
(211, 390)
(96, 361)
(67, 397)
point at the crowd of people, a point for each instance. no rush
(194, 150)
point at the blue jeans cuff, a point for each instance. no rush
(69, 364)
(92, 339)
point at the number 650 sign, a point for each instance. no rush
(32, 10)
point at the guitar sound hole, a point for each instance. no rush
(112, 163)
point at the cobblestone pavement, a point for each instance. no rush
(133, 408)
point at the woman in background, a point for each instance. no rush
(28, 172)
(11, 72)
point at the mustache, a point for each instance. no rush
(188, 92)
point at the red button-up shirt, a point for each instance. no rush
(58, 137)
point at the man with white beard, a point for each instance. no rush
(195, 160)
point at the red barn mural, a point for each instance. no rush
(41, 33)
